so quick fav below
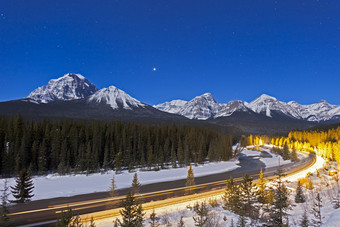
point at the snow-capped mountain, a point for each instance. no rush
(171, 107)
(69, 87)
(205, 107)
(116, 98)
(266, 104)
(321, 111)
(201, 107)
(231, 107)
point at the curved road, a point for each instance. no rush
(49, 210)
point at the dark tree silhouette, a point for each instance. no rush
(22, 191)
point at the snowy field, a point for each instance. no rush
(61, 186)
(54, 185)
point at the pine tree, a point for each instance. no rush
(293, 155)
(285, 152)
(173, 156)
(42, 160)
(66, 218)
(4, 219)
(231, 196)
(132, 212)
(23, 189)
(202, 212)
(299, 197)
(150, 157)
(119, 162)
(304, 220)
(232, 223)
(190, 181)
(113, 191)
(262, 192)
(248, 197)
(280, 205)
(316, 210)
(153, 219)
(135, 186)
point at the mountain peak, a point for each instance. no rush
(116, 98)
(68, 87)
(70, 76)
(322, 101)
(266, 97)
(206, 96)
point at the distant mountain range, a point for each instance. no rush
(73, 96)
(205, 107)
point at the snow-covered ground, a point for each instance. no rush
(323, 184)
(274, 160)
(54, 185)
(51, 186)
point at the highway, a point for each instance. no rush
(46, 212)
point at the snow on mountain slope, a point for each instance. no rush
(171, 107)
(69, 87)
(75, 86)
(232, 106)
(265, 104)
(116, 98)
(204, 107)
(201, 107)
(321, 111)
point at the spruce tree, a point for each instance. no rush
(280, 204)
(316, 210)
(262, 191)
(113, 191)
(293, 156)
(4, 211)
(153, 219)
(285, 152)
(135, 186)
(42, 160)
(299, 197)
(304, 220)
(132, 212)
(231, 196)
(67, 218)
(248, 197)
(232, 223)
(173, 156)
(119, 162)
(22, 191)
(190, 181)
(202, 212)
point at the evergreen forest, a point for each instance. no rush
(68, 146)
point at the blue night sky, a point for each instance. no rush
(234, 49)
